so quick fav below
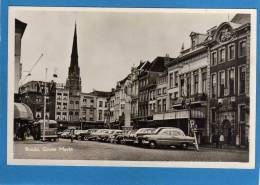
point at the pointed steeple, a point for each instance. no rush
(74, 81)
(74, 54)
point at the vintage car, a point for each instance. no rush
(168, 137)
(88, 135)
(65, 133)
(138, 136)
(103, 136)
(78, 132)
(114, 136)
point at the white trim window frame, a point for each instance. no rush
(220, 60)
(239, 49)
(233, 57)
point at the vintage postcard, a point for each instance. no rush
(131, 87)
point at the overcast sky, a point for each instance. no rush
(109, 43)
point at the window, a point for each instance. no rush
(64, 106)
(166, 132)
(164, 90)
(58, 115)
(100, 103)
(221, 83)
(159, 91)
(188, 85)
(164, 105)
(84, 100)
(176, 78)
(92, 101)
(171, 80)
(214, 85)
(214, 58)
(58, 96)
(71, 104)
(204, 80)
(196, 83)
(106, 104)
(242, 80)
(100, 115)
(182, 87)
(58, 105)
(159, 106)
(64, 116)
(38, 114)
(77, 104)
(231, 52)
(222, 55)
(231, 83)
(242, 48)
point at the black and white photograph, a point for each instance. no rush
(132, 87)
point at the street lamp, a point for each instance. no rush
(44, 103)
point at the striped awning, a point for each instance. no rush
(22, 112)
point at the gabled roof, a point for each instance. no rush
(159, 63)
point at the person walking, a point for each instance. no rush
(71, 135)
(221, 141)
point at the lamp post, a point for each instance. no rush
(44, 105)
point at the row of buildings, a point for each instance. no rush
(207, 85)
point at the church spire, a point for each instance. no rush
(74, 81)
(74, 53)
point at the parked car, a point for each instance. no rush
(138, 136)
(95, 135)
(168, 137)
(88, 135)
(78, 132)
(103, 136)
(127, 137)
(65, 134)
(113, 137)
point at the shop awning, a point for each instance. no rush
(22, 112)
(179, 114)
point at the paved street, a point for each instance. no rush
(91, 150)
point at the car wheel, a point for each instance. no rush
(152, 144)
(85, 138)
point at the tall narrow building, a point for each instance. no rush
(73, 83)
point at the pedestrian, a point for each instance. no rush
(71, 135)
(221, 141)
